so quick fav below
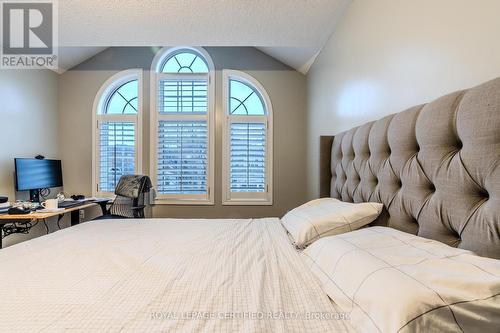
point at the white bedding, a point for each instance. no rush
(391, 281)
(163, 275)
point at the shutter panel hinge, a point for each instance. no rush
(97, 187)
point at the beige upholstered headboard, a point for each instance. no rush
(435, 167)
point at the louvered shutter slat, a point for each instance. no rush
(248, 157)
(182, 157)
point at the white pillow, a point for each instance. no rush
(327, 216)
(386, 280)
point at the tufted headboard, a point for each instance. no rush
(435, 167)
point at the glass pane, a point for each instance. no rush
(129, 90)
(199, 66)
(185, 62)
(182, 96)
(131, 108)
(244, 100)
(182, 157)
(171, 66)
(248, 157)
(117, 153)
(115, 105)
(123, 100)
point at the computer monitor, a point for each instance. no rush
(36, 174)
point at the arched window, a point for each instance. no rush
(184, 61)
(123, 100)
(247, 141)
(117, 130)
(182, 123)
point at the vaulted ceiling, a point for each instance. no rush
(292, 31)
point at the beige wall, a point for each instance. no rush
(28, 127)
(388, 55)
(286, 88)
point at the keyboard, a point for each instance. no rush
(70, 204)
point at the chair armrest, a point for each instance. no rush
(138, 207)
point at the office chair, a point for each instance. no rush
(130, 201)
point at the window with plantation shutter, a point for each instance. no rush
(117, 153)
(247, 155)
(117, 131)
(182, 121)
(182, 157)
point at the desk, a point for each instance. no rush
(37, 216)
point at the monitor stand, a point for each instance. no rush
(35, 195)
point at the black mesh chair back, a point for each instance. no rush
(132, 194)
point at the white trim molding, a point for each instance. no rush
(246, 198)
(155, 75)
(100, 101)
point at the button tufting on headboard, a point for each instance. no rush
(430, 166)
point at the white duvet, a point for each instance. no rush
(391, 281)
(163, 275)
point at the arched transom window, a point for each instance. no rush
(247, 165)
(184, 61)
(244, 99)
(123, 100)
(117, 115)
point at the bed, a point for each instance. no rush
(163, 275)
(436, 170)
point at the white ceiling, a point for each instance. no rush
(293, 31)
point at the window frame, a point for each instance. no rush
(245, 198)
(155, 76)
(100, 102)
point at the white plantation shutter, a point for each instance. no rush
(179, 95)
(117, 153)
(248, 157)
(182, 157)
(182, 142)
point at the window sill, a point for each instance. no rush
(183, 202)
(241, 202)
